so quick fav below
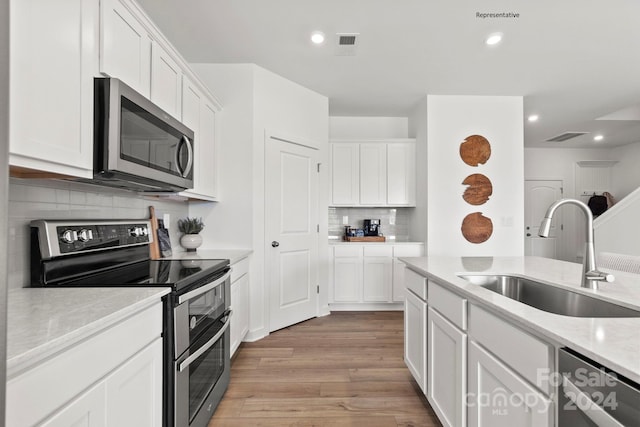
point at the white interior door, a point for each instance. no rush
(291, 215)
(539, 195)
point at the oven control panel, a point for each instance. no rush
(58, 238)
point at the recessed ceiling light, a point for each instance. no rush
(317, 37)
(598, 138)
(533, 118)
(493, 39)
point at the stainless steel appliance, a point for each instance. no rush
(371, 227)
(196, 320)
(591, 395)
(137, 145)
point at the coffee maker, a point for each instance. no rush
(371, 227)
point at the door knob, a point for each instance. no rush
(275, 244)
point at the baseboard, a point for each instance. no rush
(383, 306)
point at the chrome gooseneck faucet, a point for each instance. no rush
(590, 274)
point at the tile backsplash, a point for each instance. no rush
(394, 222)
(51, 199)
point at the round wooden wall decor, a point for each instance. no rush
(475, 150)
(476, 228)
(479, 189)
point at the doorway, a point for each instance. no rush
(291, 231)
(538, 196)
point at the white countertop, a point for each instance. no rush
(613, 342)
(233, 255)
(388, 242)
(44, 321)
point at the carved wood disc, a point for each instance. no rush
(479, 189)
(476, 228)
(475, 150)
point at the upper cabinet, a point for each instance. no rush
(53, 60)
(200, 114)
(125, 46)
(58, 48)
(373, 173)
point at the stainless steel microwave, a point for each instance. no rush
(137, 145)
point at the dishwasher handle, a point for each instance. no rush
(585, 403)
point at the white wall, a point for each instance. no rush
(418, 130)
(256, 101)
(368, 127)
(617, 231)
(625, 176)
(450, 120)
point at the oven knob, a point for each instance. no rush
(69, 236)
(85, 235)
(144, 231)
(134, 232)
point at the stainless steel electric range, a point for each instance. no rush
(196, 313)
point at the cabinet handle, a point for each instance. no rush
(587, 406)
(275, 244)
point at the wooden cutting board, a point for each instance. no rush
(154, 247)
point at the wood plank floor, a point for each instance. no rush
(345, 369)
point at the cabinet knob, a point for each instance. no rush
(275, 244)
(528, 234)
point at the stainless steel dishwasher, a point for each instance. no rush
(591, 395)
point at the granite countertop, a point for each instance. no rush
(613, 342)
(233, 255)
(44, 321)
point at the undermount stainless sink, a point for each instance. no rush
(549, 298)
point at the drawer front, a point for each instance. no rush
(523, 352)
(378, 251)
(416, 283)
(239, 269)
(347, 251)
(408, 250)
(450, 305)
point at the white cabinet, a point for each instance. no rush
(53, 59)
(446, 370)
(414, 250)
(415, 343)
(112, 378)
(368, 275)
(347, 273)
(401, 174)
(125, 46)
(373, 173)
(239, 302)
(166, 81)
(345, 174)
(377, 274)
(499, 397)
(199, 113)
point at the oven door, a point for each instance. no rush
(202, 375)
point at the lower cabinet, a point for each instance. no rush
(113, 378)
(369, 274)
(499, 397)
(446, 370)
(239, 303)
(415, 342)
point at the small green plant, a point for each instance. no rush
(190, 225)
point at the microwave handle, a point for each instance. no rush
(184, 172)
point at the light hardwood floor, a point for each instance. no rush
(345, 369)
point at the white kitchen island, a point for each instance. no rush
(464, 342)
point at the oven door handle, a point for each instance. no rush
(186, 362)
(585, 404)
(202, 289)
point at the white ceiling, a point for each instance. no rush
(573, 60)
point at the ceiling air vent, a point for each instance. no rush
(565, 136)
(346, 44)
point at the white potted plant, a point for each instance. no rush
(190, 229)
